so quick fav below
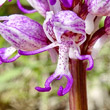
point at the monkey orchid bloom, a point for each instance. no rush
(67, 31)
(70, 30)
(22, 33)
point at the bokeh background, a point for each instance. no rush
(18, 79)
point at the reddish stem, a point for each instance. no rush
(78, 93)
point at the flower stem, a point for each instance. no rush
(78, 93)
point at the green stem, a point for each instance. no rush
(78, 93)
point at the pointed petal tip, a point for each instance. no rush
(89, 68)
(60, 91)
(91, 63)
(6, 60)
(46, 89)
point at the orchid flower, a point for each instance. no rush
(67, 31)
(22, 33)
(63, 29)
(70, 31)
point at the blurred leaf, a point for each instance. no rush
(10, 74)
(36, 16)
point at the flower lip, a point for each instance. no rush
(62, 91)
(61, 70)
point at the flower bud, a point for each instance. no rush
(23, 33)
(99, 7)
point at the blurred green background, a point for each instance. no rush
(18, 79)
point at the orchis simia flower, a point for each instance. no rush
(22, 33)
(67, 31)
(64, 29)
